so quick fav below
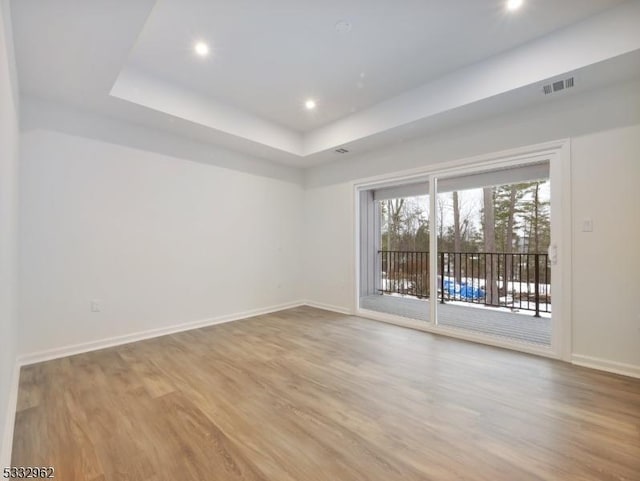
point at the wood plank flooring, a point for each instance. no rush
(305, 394)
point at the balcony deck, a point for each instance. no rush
(523, 327)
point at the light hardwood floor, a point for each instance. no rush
(306, 394)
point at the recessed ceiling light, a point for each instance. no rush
(310, 104)
(513, 5)
(201, 49)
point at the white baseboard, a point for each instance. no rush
(65, 351)
(7, 435)
(328, 307)
(604, 365)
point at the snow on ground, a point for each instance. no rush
(513, 288)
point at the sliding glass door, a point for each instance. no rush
(493, 237)
(472, 251)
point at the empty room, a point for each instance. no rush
(295, 240)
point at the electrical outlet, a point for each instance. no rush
(587, 225)
(96, 305)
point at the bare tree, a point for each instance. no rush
(442, 207)
(491, 265)
(513, 194)
(396, 219)
(457, 238)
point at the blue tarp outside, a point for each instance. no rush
(463, 290)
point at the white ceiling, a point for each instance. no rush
(269, 56)
(405, 64)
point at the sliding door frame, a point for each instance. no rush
(558, 154)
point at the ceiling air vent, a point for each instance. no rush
(341, 151)
(558, 86)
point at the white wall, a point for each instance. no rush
(329, 247)
(606, 268)
(158, 239)
(8, 230)
(605, 131)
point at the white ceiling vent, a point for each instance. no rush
(558, 86)
(342, 151)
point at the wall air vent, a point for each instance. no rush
(558, 86)
(341, 151)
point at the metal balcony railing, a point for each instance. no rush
(514, 280)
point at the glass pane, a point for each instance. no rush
(493, 268)
(402, 261)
